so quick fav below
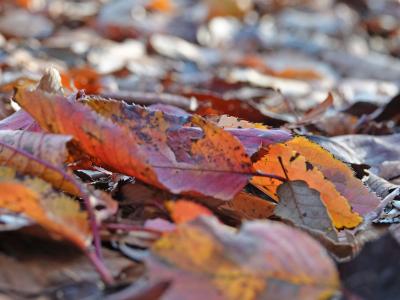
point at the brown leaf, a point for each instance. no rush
(248, 207)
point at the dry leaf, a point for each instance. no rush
(142, 148)
(264, 260)
(303, 207)
(56, 212)
(296, 167)
(183, 211)
(360, 198)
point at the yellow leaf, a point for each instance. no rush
(358, 195)
(58, 213)
(298, 168)
(264, 260)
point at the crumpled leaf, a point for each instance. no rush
(57, 213)
(264, 260)
(303, 207)
(297, 167)
(142, 148)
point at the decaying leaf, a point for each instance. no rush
(303, 207)
(142, 147)
(264, 260)
(57, 213)
(282, 160)
(360, 198)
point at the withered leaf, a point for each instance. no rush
(302, 206)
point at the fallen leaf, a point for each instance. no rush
(36, 267)
(44, 155)
(303, 207)
(318, 111)
(139, 144)
(38, 154)
(373, 273)
(357, 194)
(160, 5)
(82, 78)
(248, 207)
(380, 152)
(297, 167)
(183, 211)
(55, 212)
(207, 260)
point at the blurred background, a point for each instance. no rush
(261, 60)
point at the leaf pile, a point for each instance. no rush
(199, 149)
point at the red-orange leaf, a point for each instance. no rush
(183, 211)
(142, 144)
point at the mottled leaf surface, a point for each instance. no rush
(141, 147)
(264, 260)
(282, 160)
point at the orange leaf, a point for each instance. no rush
(57, 213)
(148, 145)
(183, 211)
(249, 207)
(160, 5)
(84, 78)
(361, 199)
(264, 260)
(44, 155)
(298, 168)
(220, 8)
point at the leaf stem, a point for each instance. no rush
(272, 176)
(104, 273)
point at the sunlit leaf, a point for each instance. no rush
(282, 160)
(56, 212)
